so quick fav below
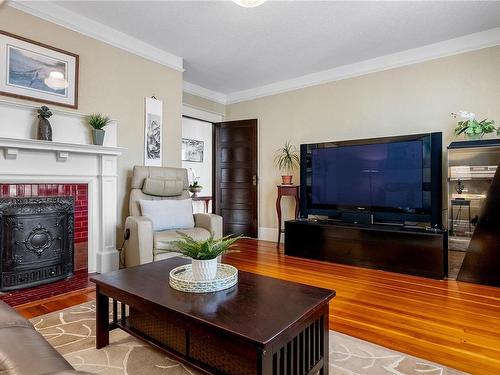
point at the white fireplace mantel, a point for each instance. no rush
(30, 161)
(69, 159)
(62, 150)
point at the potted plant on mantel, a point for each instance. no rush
(287, 160)
(472, 128)
(97, 122)
(204, 254)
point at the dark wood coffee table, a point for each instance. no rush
(260, 326)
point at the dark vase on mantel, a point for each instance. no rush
(44, 128)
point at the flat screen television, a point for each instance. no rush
(395, 179)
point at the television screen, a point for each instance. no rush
(369, 175)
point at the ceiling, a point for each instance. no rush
(227, 48)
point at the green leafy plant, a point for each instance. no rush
(207, 249)
(44, 112)
(469, 126)
(474, 127)
(287, 158)
(195, 184)
(98, 120)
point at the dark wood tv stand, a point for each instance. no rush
(390, 248)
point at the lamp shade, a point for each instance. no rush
(56, 81)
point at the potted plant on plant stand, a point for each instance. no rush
(44, 129)
(204, 254)
(195, 187)
(472, 128)
(97, 122)
(287, 160)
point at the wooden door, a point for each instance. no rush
(235, 171)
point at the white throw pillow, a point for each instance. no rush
(168, 213)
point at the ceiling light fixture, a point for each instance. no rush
(249, 3)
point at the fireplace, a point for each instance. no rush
(33, 168)
(36, 240)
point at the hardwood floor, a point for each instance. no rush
(453, 323)
(56, 303)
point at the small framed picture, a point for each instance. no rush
(38, 72)
(192, 150)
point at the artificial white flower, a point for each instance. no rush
(464, 115)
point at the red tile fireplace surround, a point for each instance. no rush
(80, 280)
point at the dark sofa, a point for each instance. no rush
(23, 351)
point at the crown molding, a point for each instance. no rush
(96, 30)
(214, 96)
(471, 42)
(71, 20)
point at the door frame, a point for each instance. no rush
(201, 114)
(204, 115)
(210, 118)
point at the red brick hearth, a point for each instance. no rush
(80, 280)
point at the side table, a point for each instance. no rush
(205, 199)
(286, 190)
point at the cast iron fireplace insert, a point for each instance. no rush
(36, 241)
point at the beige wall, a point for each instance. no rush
(203, 104)
(114, 82)
(412, 99)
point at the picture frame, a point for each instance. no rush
(153, 132)
(192, 150)
(35, 71)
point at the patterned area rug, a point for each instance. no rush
(72, 333)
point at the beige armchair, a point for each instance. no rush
(144, 244)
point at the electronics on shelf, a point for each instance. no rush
(470, 172)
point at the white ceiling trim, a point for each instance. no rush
(71, 20)
(471, 42)
(215, 96)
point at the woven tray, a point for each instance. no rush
(181, 278)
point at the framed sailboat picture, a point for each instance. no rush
(38, 72)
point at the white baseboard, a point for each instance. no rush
(270, 234)
(108, 261)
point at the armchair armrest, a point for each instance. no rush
(139, 248)
(210, 222)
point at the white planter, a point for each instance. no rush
(204, 270)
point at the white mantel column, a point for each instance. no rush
(107, 254)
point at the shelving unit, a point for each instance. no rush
(471, 168)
